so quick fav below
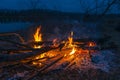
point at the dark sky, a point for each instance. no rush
(62, 5)
(65, 5)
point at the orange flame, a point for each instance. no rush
(37, 37)
(70, 39)
(91, 44)
(69, 43)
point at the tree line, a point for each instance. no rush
(35, 15)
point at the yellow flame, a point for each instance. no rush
(37, 37)
(40, 56)
(73, 51)
(70, 39)
(69, 43)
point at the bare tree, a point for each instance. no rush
(98, 7)
(104, 4)
(110, 4)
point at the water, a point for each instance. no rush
(10, 27)
(81, 30)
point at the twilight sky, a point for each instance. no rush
(62, 5)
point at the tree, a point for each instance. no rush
(105, 5)
(98, 7)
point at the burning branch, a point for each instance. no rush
(37, 37)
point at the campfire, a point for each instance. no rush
(69, 53)
(42, 56)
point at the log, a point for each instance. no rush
(20, 56)
(28, 50)
(16, 43)
(44, 68)
(19, 50)
(13, 34)
(49, 65)
(40, 43)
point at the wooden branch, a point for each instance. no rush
(29, 67)
(108, 7)
(40, 59)
(20, 56)
(40, 43)
(14, 34)
(49, 65)
(20, 50)
(16, 43)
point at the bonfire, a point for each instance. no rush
(42, 57)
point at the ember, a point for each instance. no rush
(92, 44)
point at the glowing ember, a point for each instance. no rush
(37, 37)
(55, 42)
(91, 44)
(40, 56)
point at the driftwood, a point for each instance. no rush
(20, 56)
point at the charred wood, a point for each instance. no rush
(44, 68)
(15, 57)
(16, 43)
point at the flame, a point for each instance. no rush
(69, 43)
(37, 37)
(70, 39)
(40, 56)
(73, 51)
(91, 44)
